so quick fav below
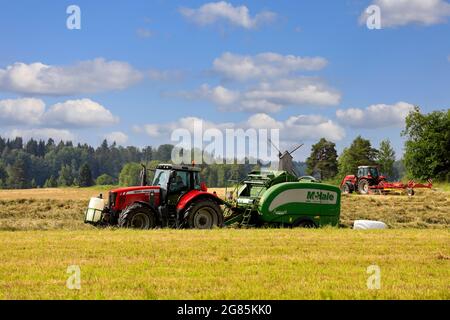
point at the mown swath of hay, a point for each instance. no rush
(52, 209)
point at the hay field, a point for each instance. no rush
(225, 264)
(53, 209)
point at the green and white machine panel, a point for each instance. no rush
(290, 201)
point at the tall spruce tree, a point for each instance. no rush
(386, 158)
(85, 176)
(19, 176)
(323, 159)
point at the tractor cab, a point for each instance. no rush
(175, 181)
(368, 172)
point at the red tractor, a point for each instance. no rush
(175, 199)
(369, 180)
(367, 176)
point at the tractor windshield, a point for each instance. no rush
(373, 172)
(161, 178)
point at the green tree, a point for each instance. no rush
(427, 146)
(129, 175)
(65, 176)
(359, 153)
(323, 159)
(3, 173)
(51, 182)
(32, 147)
(164, 152)
(19, 172)
(104, 180)
(386, 158)
(399, 170)
(85, 176)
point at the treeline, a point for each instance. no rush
(39, 163)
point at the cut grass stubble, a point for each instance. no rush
(225, 264)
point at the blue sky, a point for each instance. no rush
(331, 68)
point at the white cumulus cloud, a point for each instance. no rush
(265, 82)
(164, 130)
(375, 116)
(270, 96)
(239, 16)
(21, 111)
(300, 127)
(79, 113)
(296, 92)
(84, 77)
(312, 127)
(403, 12)
(118, 137)
(295, 128)
(264, 65)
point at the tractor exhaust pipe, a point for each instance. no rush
(143, 175)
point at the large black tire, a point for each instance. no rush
(137, 216)
(346, 188)
(304, 223)
(363, 186)
(204, 214)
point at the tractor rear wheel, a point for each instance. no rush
(363, 186)
(137, 216)
(204, 214)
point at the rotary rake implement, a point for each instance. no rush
(369, 181)
(385, 187)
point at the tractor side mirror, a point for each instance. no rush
(203, 187)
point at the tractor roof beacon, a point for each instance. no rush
(175, 198)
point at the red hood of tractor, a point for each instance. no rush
(127, 189)
(121, 198)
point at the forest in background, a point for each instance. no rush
(39, 163)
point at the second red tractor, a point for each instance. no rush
(369, 180)
(367, 176)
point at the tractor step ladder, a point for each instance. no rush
(172, 221)
(246, 217)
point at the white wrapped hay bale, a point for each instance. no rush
(368, 225)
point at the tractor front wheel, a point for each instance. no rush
(137, 217)
(363, 186)
(346, 188)
(204, 214)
